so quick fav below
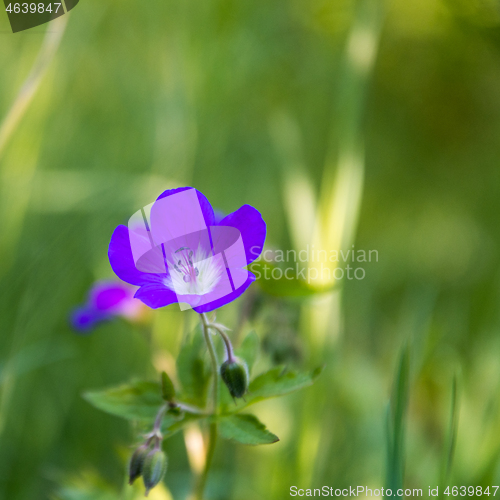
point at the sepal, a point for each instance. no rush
(136, 463)
(234, 373)
(154, 468)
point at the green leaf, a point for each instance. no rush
(245, 429)
(167, 387)
(84, 493)
(192, 370)
(249, 349)
(273, 383)
(280, 285)
(139, 400)
(174, 423)
(278, 381)
(89, 485)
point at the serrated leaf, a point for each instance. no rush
(278, 381)
(192, 370)
(245, 429)
(249, 349)
(167, 387)
(139, 400)
(273, 383)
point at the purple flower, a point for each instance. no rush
(106, 300)
(177, 252)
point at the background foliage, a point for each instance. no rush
(260, 102)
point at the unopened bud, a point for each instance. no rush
(167, 387)
(234, 373)
(136, 463)
(154, 468)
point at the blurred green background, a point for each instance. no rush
(375, 122)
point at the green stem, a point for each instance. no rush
(212, 437)
(213, 359)
(227, 342)
(159, 418)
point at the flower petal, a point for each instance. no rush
(156, 295)
(83, 319)
(122, 261)
(252, 227)
(210, 306)
(206, 208)
(106, 296)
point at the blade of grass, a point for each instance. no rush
(451, 438)
(18, 166)
(396, 423)
(30, 86)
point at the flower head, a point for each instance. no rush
(106, 300)
(177, 251)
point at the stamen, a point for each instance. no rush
(188, 278)
(188, 270)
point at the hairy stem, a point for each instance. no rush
(227, 342)
(159, 418)
(155, 436)
(212, 437)
(213, 360)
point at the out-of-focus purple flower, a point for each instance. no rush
(176, 251)
(106, 300)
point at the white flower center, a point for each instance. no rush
(193, 273)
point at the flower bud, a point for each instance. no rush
(167, 387)
(136, 463)
(234, 373)
(154, 468)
